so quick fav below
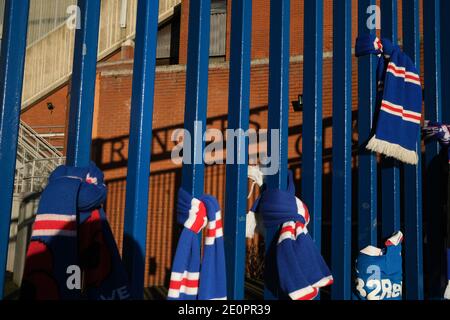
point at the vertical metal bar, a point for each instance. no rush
(238, 119)
(342, 149)
(12, 61)
(278, 106)
(312, 115)
(445, 63)
(390, 168)
(83, 84)
(433, 112)
(412, 201)
(196, 95)
(136, 205)
(367, 161)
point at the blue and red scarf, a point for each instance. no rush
(301, 269)
(399, 100)
(441, 133)
(72, 253)
(194, 278)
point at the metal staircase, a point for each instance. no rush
(36, 159)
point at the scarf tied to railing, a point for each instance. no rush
(399, 100)
(72, 253)
(193, 277)
(301, 269)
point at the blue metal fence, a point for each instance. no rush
(401, 186)
(341, 222)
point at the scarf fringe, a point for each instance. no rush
(393, 150)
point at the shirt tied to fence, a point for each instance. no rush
(301, 270)
(194, 278)
(70, 236)
(379, 271)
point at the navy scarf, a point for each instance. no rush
(70, 239)
(300, 268)
(194, 278)
(399, 100)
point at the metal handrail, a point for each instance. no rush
(36, 159)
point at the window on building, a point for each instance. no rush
(169, 35)
(164, 43)
(218, 31)
(2, 12)
(169, 39)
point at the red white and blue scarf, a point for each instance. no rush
(301, 270)
(194, 278)
(399, 100)
(71, 238)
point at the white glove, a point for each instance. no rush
(250, 225)
(447, 291)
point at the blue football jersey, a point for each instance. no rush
(379, 271)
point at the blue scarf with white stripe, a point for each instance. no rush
(399, 100)
(72, 253)
(194, 278)
(301, 269)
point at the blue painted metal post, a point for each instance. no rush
(278, 105)
(367, 160)
(412, 203)
(342, 150)
(196, 94)
(445, 63)
(312, 115)
(139, 152)
(238, 120)
(390, 168)
(83, 84)
(12, 63)
(433, 112)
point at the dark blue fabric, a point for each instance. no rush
(397, 130)
(300, 265)
(78, 193)
(188, 264)
(380, 277)
(278, 206)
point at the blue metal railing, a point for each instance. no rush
(278, 114)
(433, 177)
(136, 203)
(367, 161)
(400, 185)
(238, 119)
(342, 150)
(12, 63)
(412, 175)
(83, 84)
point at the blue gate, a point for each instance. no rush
(398, 186)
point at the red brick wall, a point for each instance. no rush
(38, 114)
(111, 140)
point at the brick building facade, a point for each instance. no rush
(112, 110)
